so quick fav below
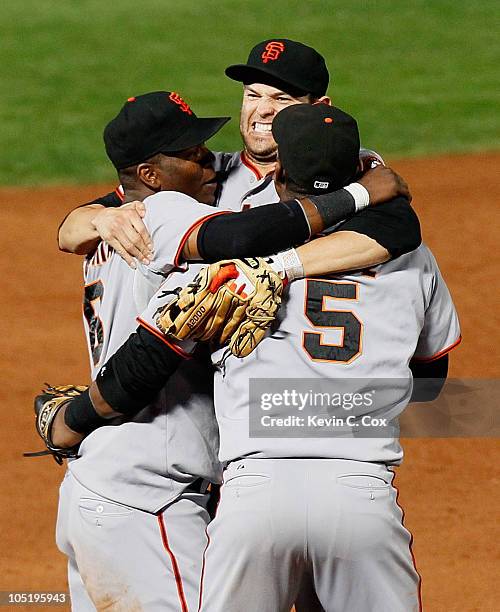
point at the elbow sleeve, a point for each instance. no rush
(138, 370)
(258, 231)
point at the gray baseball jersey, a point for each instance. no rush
(326, 505)
(126, 476)
(243, 186)
(355, 326)
(144, 463)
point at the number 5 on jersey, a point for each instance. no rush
(349, 348)
(91, 302)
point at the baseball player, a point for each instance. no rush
(325, 505)
(132, 516)
(139, 476)
(338, 121)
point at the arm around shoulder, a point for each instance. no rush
(76, 233)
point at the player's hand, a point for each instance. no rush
(124, 230)
(384, 184)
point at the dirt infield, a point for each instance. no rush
(448, 487)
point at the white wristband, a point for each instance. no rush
(291, 264)
(360, 195)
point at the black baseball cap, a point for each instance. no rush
(285, 64)
(156, 122)
(318, 146)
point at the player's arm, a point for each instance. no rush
(428, 379)
(339, 252)
(271, 228)
(76, 233)
(106, 219)
(128, 382)
(439, 335)
(369, 238)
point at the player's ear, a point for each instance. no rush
(324, 100)
(148, 175)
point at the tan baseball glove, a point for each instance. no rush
(229, 302)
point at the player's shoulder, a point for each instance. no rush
(173, 209)
(165, 205)
(167, 197)
(226, 162)
(420, 260)
(424, 263)
(426, 256)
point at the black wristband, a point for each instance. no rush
(335, 206)
(80, 415)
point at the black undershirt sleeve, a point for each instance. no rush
(262, 230)
(394, 225)
(110, 200)
(269, 229)
(428, 379)
(138, 370)
(129, 381)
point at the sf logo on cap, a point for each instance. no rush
(273, 50)
(184, 106)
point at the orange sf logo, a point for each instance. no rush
(273, 50)
(176, 98)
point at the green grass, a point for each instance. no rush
(419, 75)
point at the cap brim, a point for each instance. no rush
(198, 133)
(249, 74)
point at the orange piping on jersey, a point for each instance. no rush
(175, 565)
(438, 355)
(246, 162)
(334, 282)
(158, 334)
(200, 599)
(410, 545)
(191, 229)
(340, 345)
(120, 193)
(323, 309)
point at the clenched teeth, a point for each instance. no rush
(261, 127)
